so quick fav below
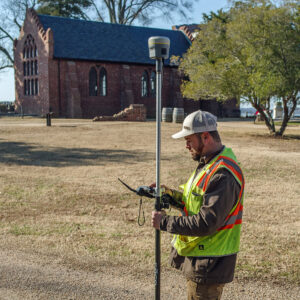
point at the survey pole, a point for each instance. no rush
(158, 191)
(158, 50)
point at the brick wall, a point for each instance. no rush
(123, 88)
(32, 104)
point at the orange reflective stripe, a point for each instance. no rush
(200, 180)
(234, 218)
(234, 171)
(204, 176)
(238, 208)
(211, 173)
(185, 210)
(233, 166)
(226, 161)
(228, 158)
(239, 221)
(242, 189)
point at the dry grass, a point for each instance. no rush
(59, 194)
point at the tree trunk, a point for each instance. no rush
(267, 117)
(287, 115)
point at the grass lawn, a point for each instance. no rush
(60, 197)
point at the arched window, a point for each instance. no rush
(103, 82)
(145, 84)
(93, 82)
(153, 84)
(30, 67)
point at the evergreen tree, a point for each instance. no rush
(64, 8)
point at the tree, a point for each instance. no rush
(64, 8)
(144, 11)
(12, 16)
(254, 56)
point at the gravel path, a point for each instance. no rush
(28, 276)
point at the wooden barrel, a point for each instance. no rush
(178, 115)
(167, 114)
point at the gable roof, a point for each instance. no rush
(98, 41)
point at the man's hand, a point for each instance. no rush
(156, 218)
(164, 188)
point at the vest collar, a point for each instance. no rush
(207, 158)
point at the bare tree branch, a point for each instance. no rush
(7, 34)
(6, 53)
(128, 11)
(17, 23)
(6, 67)
(100, 17)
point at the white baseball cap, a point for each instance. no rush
(198, 121)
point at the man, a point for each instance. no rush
(207, 234)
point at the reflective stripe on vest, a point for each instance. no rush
(234, 218)
(226, 161)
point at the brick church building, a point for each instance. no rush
(83, 69)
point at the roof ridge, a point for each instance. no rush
(106, 23)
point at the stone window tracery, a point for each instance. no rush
(30, 67)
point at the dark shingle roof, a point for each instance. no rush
(87, 40)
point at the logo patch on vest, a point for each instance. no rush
(186, 127)
(201, 247)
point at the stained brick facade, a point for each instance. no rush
(63, 84)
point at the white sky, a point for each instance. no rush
(7, 90)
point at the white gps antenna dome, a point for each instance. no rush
(159, 47)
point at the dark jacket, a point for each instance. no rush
(220, 197)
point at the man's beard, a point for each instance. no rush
(196, 156)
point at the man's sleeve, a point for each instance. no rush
(220, 197)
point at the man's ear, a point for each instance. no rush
(205, 136)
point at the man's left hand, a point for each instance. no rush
(156, 218)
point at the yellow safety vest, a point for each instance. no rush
(226, 240)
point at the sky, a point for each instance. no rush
(7, 89)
